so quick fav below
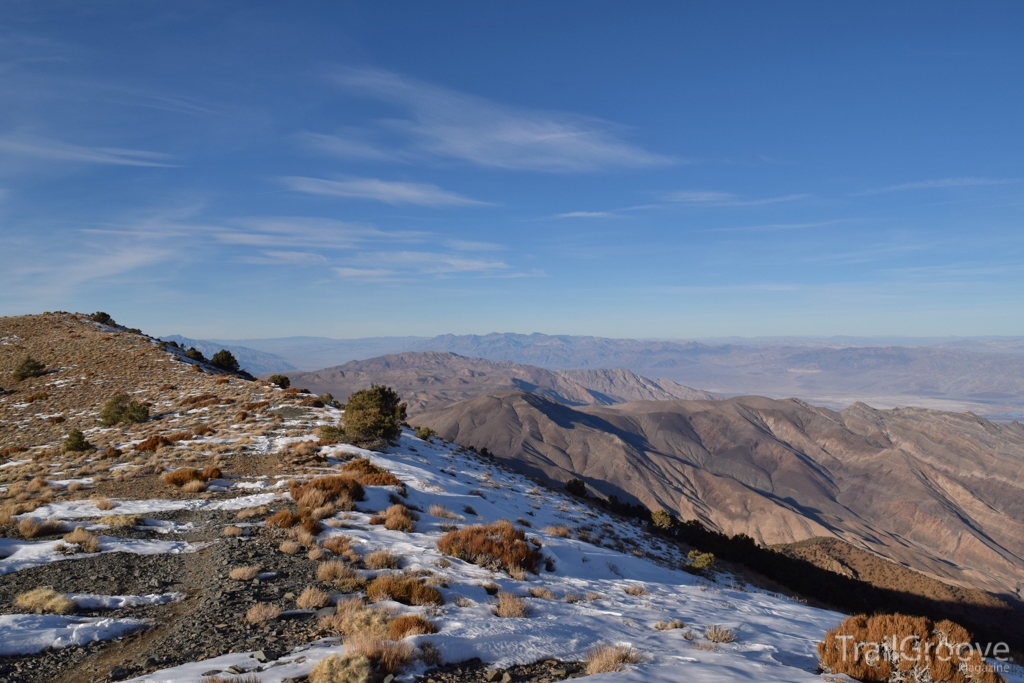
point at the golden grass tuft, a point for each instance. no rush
(636, 589)
(284, 519)
(244, 573)
(262, 612)
(398, 518)
(669, 625)
(289, 547)
(441, 511)
(542, 593)
(719, 634)
(194, 486)
(494, 546)
(44, 600)
(87, 541)
(352, 616)
(350, 668)
(30, 527)
(607, 658)
(333, 569)
(407, 590)
(511, 606)
(382, 559)
(231, 530)
(312, 598)
(105, 504)
(558, 531)
(182, 476)
(334, 487)
(410, 625)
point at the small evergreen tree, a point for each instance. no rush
(28, 367)
(425, 433)
(698, 561)
(195, 354)
(121, 408)
(102, 318)
(576, 487)
(76, 442)
(280, 380)
(662, 519)
(374, 414)
(225, 360)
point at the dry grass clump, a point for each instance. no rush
(410, 625)
(351, 668)
(30, 527)
(312, 598)
(233, 679)
(121, 521)
(44, 600)
(231, 530)
(495, 546)
(441, 511)
(352, 616)
(284, 519)
(152, 444)
(636, 589)
(510, 605)
(289, 547)
(334, 487)
(244, 573)
(185, 476)
(407, 590)
(607, 657)
(719, 634)
(396, 518)
(931, 648)
(369, 474)
(542, 593)
(382, 559)
(105, 504)
(262, 612)
(316, 554)
(558, 531)
(669, 625)
(85, 540)
(334, 569)
(251, 512)
(194, 486)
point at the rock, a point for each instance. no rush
(507, 678)
(389, 678)
(491, 675)
(236, 670)
(119, 673)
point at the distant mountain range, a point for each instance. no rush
(938, 492)
(433, 379)
(984, 375)
(252, 360)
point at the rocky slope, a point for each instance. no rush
(430, 380)
(938, 492)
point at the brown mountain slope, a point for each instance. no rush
(937, 492)
(430, 380)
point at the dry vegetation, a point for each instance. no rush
(719, 634)
(262, 612)
(495, 546)
(510, 605)
(44, 601)
(607, 658)
(408, 590)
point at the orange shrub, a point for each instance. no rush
(398, 518)
(152, 443)
(495, 546)
(884, 646)
(335, 487)
(284, 519)
(211, 473)
(182, 476)
(410, 625)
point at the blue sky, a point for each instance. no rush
(679, 170)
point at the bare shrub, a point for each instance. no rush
(352, 616)
(398, 518)
(636, 589)
(430, 654)
(262, 612)
(495, 546)
(289, 547)
(351, 668)
(334, 487)
(312, 598)
(30, 527)
(382, 559)
(719, 634)
(410, 625)
(182, 476)
(407, 590)
(44, 600)
(914, 648)
(244, 573)
(395, 655)
(510, 605)
(607, 658)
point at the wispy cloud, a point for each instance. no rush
(773, 227)
(285, 258)
(941, 183)
(707, 198)
(319, 233)
(54, 150)
(350, 145)
(586, 214)
(451, 124)
(421, 194)
(466, 245)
